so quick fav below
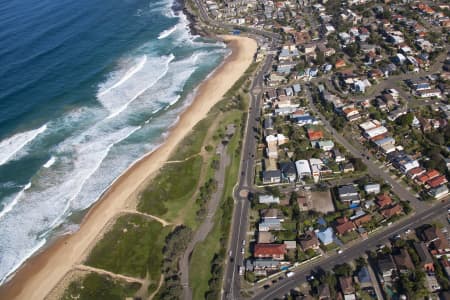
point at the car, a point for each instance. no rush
(310, 278)
(290, 274)
(339, 251)
(243, 250)
(243, 242)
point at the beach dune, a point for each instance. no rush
(39, 275)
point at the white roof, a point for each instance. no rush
(315, 162)
(302, 167)
(375, 131)
(369, 125)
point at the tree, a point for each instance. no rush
(358, 164)
(405, 120)
(343, 270)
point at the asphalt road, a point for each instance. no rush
(281, 288)
(231, 285)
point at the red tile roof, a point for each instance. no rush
(345, 227)
(364, 219)
(268, 250)
(430, 174)
(314, 135)
(391, 211)
(437, 181)
(383, 200)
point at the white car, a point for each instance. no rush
(243, 250)
(243, 242)
(290, 274)
(340, 251)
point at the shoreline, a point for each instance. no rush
(37, 277)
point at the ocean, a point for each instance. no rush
(87, 88)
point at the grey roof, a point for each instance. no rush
(363, 275)
(272, 173)
(422, 251)
(288, 168)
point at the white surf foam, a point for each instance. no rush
(117, 100)
(127, 75)
(50, 162)
(13, 203)
(167, 32)
(11, 146)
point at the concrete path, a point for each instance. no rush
(207, 224)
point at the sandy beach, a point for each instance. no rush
(38, 276)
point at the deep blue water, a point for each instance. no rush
(86, 88)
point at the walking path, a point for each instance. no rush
(207, 224)
(135, 212)
(111, 274)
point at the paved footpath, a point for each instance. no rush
(207, 224)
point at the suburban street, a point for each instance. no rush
(283, 287)
(423, 211)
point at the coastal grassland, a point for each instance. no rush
(206, 284)
(193, 142)
(133, 247)
(170, 190)
(94, 286)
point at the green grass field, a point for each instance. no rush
(94, 287)
(171, 189)
(132, 247)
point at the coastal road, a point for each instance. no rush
(231, 285)
(283, 287)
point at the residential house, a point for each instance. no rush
(361, 220)
(268, 199)
(363, 277)
(391, 211)
(426, 261)
(272, 213)
(383, 201)
(271, 176)
(314, 134)
(290, 245)
(309, 241)
(439, 192)
(348, 194)
(325, 236)
(274, 251)
(427, 176)
(386, 266)
(303, 169)
(327, 145)
(435, 239)
(269, 224)
(344, 225)
(338, 156)
(261, 266)
(437, 181)
(288, 171)
(346, 284)
(373, 188)
(403, 261)
(323, 292)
